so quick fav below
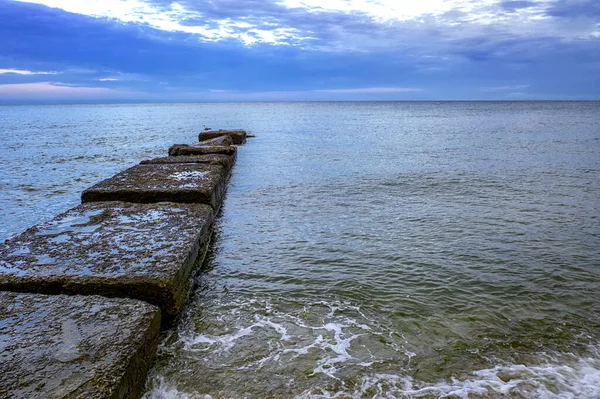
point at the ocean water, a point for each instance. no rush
(364, 250)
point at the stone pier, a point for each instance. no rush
(84, 295)
(236, 135)
(194, 183)
(87, 347)
(115, 249)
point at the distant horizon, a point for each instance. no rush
(289, 101)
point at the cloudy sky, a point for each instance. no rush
(247, 50)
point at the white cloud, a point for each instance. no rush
(442, 21)
(168, 19)
(24, 72)
(506, 88)
(295, 95)
(369, 90)
(392, 10)
(58, 91)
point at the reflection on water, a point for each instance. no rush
(375, 250)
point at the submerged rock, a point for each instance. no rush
(75, 346)
(183, 183)
(238, 136)
(196, 149)
(115, 249)
(211, 159)
(221, 140)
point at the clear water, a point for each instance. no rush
(365, 250)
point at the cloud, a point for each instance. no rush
(589, 9)
(175, 18)
(447, 49)
(371, 90)
(513, 6)
(357, 94)
(24, 72)
(346, 25)
(506, 88)
(42, 91)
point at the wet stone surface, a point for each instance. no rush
(238, 136)
(75, 346)
(221, 140)
(198, 149)
(115, 249)
(226, 161)
(183, 183)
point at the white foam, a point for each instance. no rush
(227, 341)
(577, 381)
(165, 390)
(328, 340)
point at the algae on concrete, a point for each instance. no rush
(197, 149)
(221, 140)
(115, 249)
(226, 161)
(75, 347)
(182, 183)
(238, 136)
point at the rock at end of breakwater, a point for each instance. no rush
(182, 183)
(197, 149)
(115, 249)
(238, 136)
(75, 346)
(221, 140)
(211, 159)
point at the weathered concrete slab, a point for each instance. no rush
(115, 249)
(197, 149)
(221, 140)
(62, 346)
(183, 183)
(212, 159)
(238, 136)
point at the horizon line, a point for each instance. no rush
(133, 102)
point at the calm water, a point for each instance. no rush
(365, 250)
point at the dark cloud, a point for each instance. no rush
(517, 5)
(42, 36)
(270, 16)
(575, 8)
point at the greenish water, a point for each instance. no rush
(365, 250)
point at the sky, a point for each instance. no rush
(57, 51)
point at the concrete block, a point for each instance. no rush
(238, 136)
(86, 347)
(114, 249)
(183, 183)
(225, 161)
(221, 140)
(197, 149)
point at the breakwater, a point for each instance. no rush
(83, 296)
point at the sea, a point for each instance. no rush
(364, 249)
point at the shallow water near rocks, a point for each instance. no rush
(364, 250)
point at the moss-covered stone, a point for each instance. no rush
(226, 161)
(115, 249)
(198, 149)
(221, 140)
(238, 136)
(63, 347)
(182, 183)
